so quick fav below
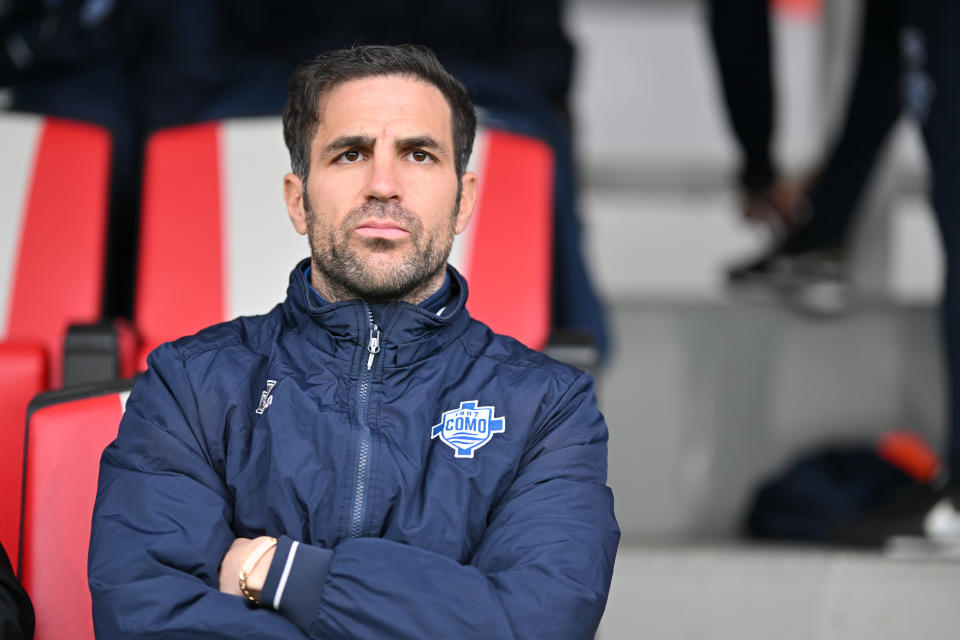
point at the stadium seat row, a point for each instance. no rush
(214, 243)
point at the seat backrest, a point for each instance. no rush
(54, 193)
(54, 181)
(216, 241)
(506, 253)
(66, 435)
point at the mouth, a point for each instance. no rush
(381, 229)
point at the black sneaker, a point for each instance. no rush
(815, 282)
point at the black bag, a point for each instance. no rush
(823, 492)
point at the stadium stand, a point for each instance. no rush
(53, 216)
(215, 241)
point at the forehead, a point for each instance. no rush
(385, 105)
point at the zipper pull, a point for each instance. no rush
(374, 345)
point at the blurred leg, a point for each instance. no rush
(740, 33)
(932, 94)
(872, 110)
(576, 306)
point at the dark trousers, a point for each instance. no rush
(908, 64)
(740, 34)
(940, 25)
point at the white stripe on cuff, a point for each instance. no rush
(286, 574)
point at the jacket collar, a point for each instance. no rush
(407, 332)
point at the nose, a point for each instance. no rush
(383, 183)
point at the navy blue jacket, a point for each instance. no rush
(439, 480)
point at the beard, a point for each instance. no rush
(382, 273)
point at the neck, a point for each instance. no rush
(333, 291)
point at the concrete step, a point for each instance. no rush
(664, 242)
(706, 399)
(743, 592)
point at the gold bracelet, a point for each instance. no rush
(251, 563)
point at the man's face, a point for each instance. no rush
(382, 202)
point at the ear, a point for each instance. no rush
(293, 195)
(468, 198)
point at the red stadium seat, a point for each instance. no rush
(215, 240)
(66, 434)
(506, 252)
(54, 178)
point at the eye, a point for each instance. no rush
(351, 156)
(421, 157)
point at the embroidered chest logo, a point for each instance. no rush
(468, 428)
(265, 398)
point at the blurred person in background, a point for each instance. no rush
(69, 59)
(907, 65)
(131, 67)
(139, 65)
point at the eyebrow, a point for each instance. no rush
(345, 142)
(422, 142)
(349, 141)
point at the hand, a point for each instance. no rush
(779, 207)
(233, 561)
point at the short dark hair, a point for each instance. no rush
(312, 79)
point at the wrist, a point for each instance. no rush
(259, 575)
(256, 566)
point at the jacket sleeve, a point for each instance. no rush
(161, 524)
(542, 569)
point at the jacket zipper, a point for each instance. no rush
(363, 445)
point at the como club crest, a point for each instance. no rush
(468, 428)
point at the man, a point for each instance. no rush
(365, 460)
